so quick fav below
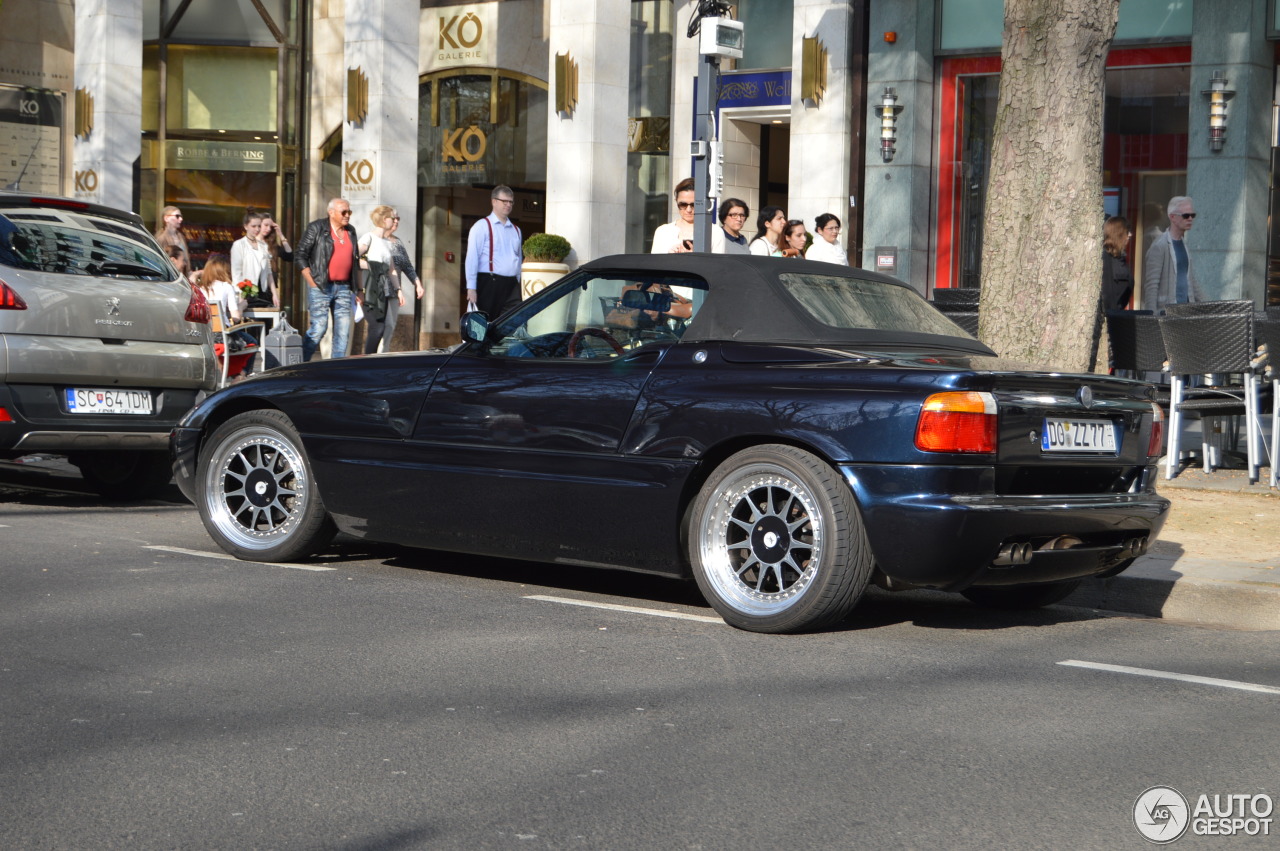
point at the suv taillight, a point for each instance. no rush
(9, 298)
(197, 308)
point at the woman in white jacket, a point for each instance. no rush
(825, 246)
(251, 259)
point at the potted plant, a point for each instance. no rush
(544, 264)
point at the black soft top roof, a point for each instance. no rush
(747, 302)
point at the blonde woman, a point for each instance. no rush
(382, 298)
(169, 233)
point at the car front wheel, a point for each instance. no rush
(777, 543)
(256, 494)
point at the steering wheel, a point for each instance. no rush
(592, 332)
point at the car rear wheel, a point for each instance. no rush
(256, 494)
(777, 543)
(126, 474)
(1020, 596)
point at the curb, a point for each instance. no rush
(1235, 594)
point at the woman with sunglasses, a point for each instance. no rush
(677, 237)
(1168, 276)
(826, 246)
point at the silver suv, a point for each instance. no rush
(103, 345)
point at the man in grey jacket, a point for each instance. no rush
(1167, 273)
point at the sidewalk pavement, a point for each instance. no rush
(1195, 589)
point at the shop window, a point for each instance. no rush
(766, 33)
(482, 129)
(224, 20)
(1145, 133)
(222, 89)
(649, 178)
(979, 24)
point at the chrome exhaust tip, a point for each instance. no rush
(1013, 554)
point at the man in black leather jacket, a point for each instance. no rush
(327, 257)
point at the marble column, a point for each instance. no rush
(897, 194)
(1231, 187)
(380, 150)
(108, 67)
(587, 148)
(821, 131)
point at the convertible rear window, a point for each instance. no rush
(79, 244)
(853, 303)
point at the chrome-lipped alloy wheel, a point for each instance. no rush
(256, 488)
(761, 540)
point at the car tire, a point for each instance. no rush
(256, 493)
(777, 543)
(126, 474)
(1019, 596)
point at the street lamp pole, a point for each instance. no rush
(704, 140)
(718, 36)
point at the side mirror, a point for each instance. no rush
(475, 326)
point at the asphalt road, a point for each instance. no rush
(154, 695)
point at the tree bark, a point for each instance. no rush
(1042, 231)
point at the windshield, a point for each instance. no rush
(79, 243)
(853, 303)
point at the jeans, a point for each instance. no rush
(320, 300)
(380, 330)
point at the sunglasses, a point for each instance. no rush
(736, 216)
(684, 205)
(1186, 215)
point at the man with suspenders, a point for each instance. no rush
(494, 254)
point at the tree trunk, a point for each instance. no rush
(1042, 233)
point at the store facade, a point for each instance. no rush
(585, 108)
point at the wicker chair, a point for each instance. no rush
(1136, 344)
(960, 305)
(1212, 344)
(1210, 308)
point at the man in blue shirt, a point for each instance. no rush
(494, 254)
(1167, 274)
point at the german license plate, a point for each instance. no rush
(84, 401)
(1063, 435)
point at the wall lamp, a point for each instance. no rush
(1218, 95)
(888, 110)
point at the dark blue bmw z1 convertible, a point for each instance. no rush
(782, 431)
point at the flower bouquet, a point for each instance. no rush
(248, 289)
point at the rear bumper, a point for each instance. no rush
(39, 421)
(942, 527)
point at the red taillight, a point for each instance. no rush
(963, 421)
(4, 416)
(1156, 443)
(9, 299)
(197, 308)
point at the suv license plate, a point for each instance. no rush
(1061, 435)
(82, 401)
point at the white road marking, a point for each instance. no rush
(635, 610)
(1169, 675)
(229, 557)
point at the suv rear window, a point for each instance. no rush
(79, 243)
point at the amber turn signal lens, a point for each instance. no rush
(962, 421)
